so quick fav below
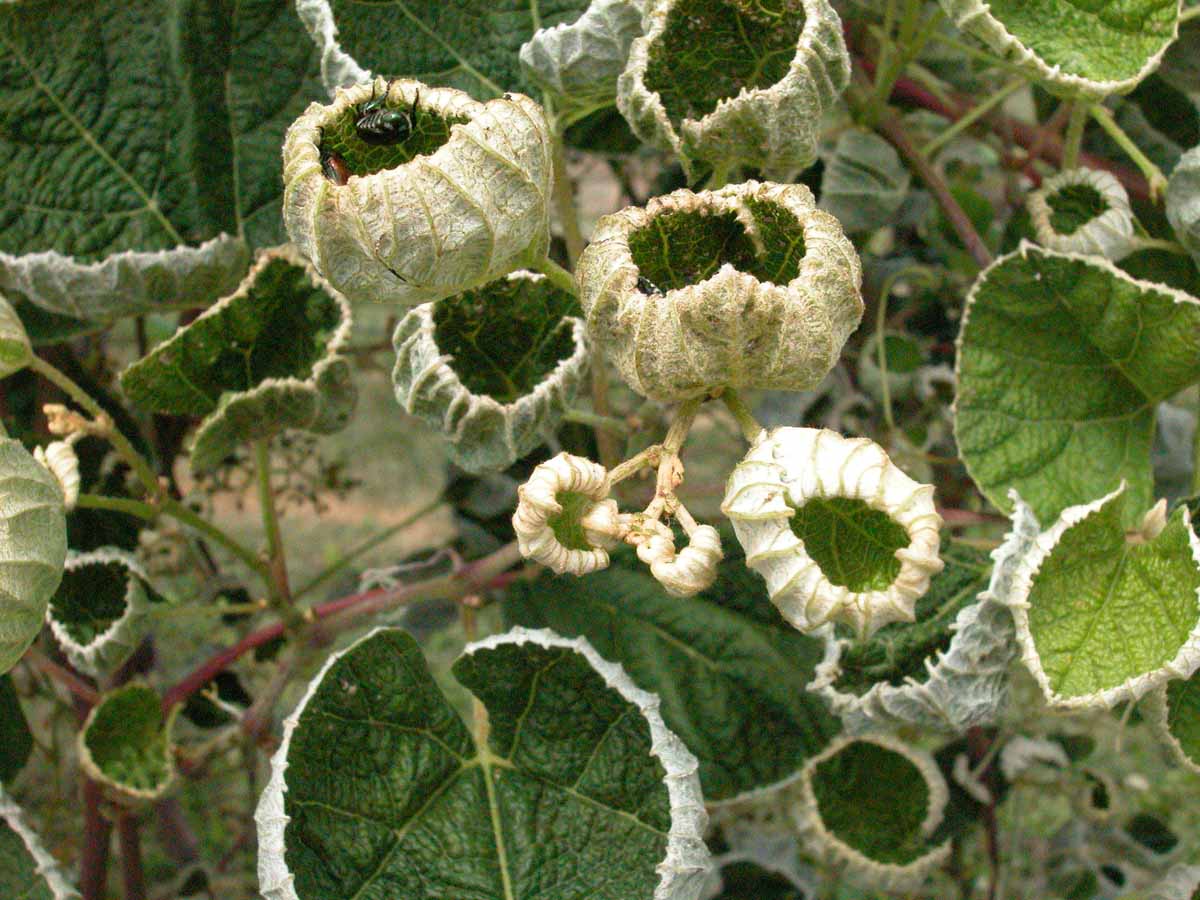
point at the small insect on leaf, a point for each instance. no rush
(646, 286)
(379, 126)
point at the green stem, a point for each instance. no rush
(1152, 173)
(281, 594)
(559, 277)
(972, 117)
(365, 547)
(745, 419)
(1188, 14)
(135, 461)
(564, 199)
(1149, 243)
(1074, 138)
(176, 510)
(595, 420)
(881, 345)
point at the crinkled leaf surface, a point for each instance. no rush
(712, 50)
(1103, 610)
(730, 672)
(1062, 361)
(468, 44)
(864, 181)
(16, 741)
(875, 800)
(898, 651)
(1076, 43)
(854, 545)
(1183, 716)
(90, 598)
(262, 360)
(126, 742)
(506, 336)
(33, 547)
(136, 125)
(387, 795)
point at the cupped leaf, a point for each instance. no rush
(579, 790)
(27, 870)
(125, 745)
(98, 614)
(260, 361)
(735, 82)
(1175, 714)
(470, 44)
(948, 670)
(1102, 617)
(871, 805)
(1183, 201)
(729, 670)
(33, 547)
(15, 349)
(463, 200)
(579, 62)
(493, 369)
(864, 181)
(748, 286)
(1083, 211)
(1062, 360)
(140, 154)
(16, 740)
(1074, 46)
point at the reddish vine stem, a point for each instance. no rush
(129, 839)
(479, 575)
(978, 745)
(97, 830)
(82, 691)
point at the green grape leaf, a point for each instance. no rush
(140, 155)
(494, 368)
(471, 45)
(854, 545)
(864, 181)
(260, 361)
(27, 870)
(1174, 710)
(871, 804)
(16, 740)
(1183, 202)
(33, 547)
(125, 744)
(1062, 361)
(729, 670)
(379, 789)
(1102, 617)
(1076, 46)
(746, 880)
(1181, 65)
(15, 349)
(99, 612)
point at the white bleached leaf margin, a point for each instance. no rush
(483, 434)
(117, 642)
(46, 865)
(1157, 713)
(824, 845)
(1180, 883)
(1109, 234)
(965, 685)
(338, 68)
(1182, 665)
(681, 873)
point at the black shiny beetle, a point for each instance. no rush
(646, 286)
(379, 126)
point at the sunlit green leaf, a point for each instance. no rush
(125, 744)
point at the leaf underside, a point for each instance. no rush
(711, 50)
(874, 800)
(388, 796)
(89, 599)
(854, 545)
(1103, 610)
(129, 127)
(279, 329)
(1061, 365)
(897, 652)
(679, 248)
(507, 336)
(469, 44)
(127, 739)
(729, 670)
